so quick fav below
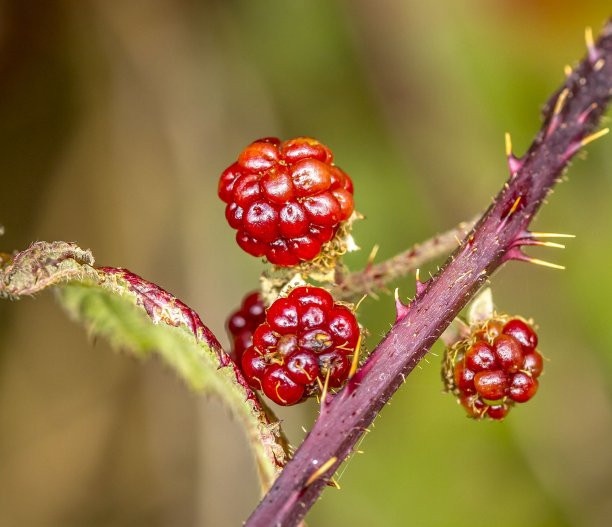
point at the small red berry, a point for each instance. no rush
(305, 338)
(243, 322)
(473, 405)
(533, 364)
(522, 332)
(480, 357)
(491, 385)
(508, 352)
(464, 378)
(280, 387)
(498, 411)
(523, 387)
(303, 367)
(253, 366)
(285, 199)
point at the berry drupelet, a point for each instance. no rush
(495, 368)
(285, 199)
(305, 339)
(242, 323)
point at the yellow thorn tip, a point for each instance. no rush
(544, 263)
(355, 362)
(561, 101)
(321, 470)
(551, 235)
(588, 37)
(590, 138)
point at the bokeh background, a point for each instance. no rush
(116, 120)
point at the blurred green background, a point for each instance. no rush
(118, 117)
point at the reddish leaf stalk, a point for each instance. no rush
(346, 416)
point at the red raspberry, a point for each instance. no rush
(494, 368)
(305, 338)
(285, 199)
(242, 323)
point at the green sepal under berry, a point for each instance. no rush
(139, 316)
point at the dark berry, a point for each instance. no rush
(285, 199)
(522, 332)
(253, 366)
(303, 367)
(312, 296)
(523, 387)
(343, 327)
(305, 339)
(533, 364)
(265, 337)
(335, 364)
(473, 405)
(491, 385)
(282, 316)
(498, 411)
(508, 352)
(243, 322)
(280, 387)
(464, 378)
(480, 357)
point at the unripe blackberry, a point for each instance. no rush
(493, 367)
(286, 200)
(306, 338)
(243, 322)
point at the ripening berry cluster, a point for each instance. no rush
(306, 338)
(494, 369)
(286, 199)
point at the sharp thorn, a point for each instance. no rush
(543, 263)
(548, 235)
(588, 37)
(553, 245)
(514, 206)
(372, 256)
(514, 163)
(555, 119)
(401, 309)
(358, 304)
(590, 44)
(355, 361)
(321, 471)
(325, 387)
(590, 138)
(508, 145)
(561, 101)
(584, 115)
(519, 242)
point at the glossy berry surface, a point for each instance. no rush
(285, 199)
(496, 367)
(305, 338)
(243, 322)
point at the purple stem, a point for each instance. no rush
(345, 417)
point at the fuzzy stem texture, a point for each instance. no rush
(376, 277)
(570, 115)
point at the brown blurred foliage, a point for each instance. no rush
(117, 118)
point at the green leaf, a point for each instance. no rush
(140, 316)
